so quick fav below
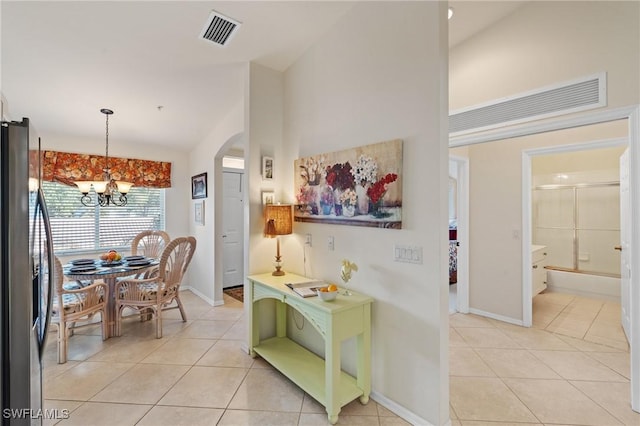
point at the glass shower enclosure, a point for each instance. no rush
(580, 225)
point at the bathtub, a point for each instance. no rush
(584, 284)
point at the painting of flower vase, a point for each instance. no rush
(360, 186)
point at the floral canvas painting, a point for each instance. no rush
(360, 186)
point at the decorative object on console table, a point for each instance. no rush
(346, 271)
(278, 221)
(199, 186)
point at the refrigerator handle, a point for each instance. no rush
(50, 264)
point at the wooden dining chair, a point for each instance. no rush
(149, 243)
(73, 303)
(156, 294)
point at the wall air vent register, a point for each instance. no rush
(560, 99)
(219, 29)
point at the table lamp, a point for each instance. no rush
(278, 220)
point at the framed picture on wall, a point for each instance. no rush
(267, 168)
(198, 213)
(199, 186)
(268, 197)
(360, 186)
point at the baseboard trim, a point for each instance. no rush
(399, 410)
(496, 317)
(202, 296)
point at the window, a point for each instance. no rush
(77, 228)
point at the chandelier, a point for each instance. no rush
(108, 189)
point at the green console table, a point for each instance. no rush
(337, 320)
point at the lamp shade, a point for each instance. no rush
(123, 187)
(84, 186)
(100, 186)
(278, 220)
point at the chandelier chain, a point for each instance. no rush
(108, 169)
(109, 191)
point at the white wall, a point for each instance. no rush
(265, 112)
(204, 278)
(540, 44)
(545, 42)
(359, 85)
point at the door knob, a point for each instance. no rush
(619, 248)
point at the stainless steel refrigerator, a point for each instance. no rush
(26, 255)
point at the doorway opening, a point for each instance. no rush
(575, 229)
(229, 257)
(232, 227)
(458, 234)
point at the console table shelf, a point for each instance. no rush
(323, 379)
(305, 369)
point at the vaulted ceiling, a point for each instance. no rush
(63, 61)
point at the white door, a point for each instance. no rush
(625, 253)
(232, 237)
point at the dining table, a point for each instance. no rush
(109, 273)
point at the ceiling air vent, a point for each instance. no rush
(219, 29)
(564, 98)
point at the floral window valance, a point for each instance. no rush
(67, 168)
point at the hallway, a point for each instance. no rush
(570, 368)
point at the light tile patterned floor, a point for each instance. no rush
(571, 368)
(195, 375)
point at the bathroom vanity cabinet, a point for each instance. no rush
(538, 273)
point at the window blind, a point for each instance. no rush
(77, 228)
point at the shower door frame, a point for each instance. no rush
(575, 267)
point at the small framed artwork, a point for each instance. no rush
(198, 213)
(268, 197)
(199, 186)
(267, 168)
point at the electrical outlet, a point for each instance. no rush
(330, 243)
(308, 240)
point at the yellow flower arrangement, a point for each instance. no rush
(348, 268)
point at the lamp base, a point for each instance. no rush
(278, 264)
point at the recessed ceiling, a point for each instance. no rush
(63, 61)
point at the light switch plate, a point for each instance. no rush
(408, 254)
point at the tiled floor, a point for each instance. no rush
(571, 368)
(195, 375)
